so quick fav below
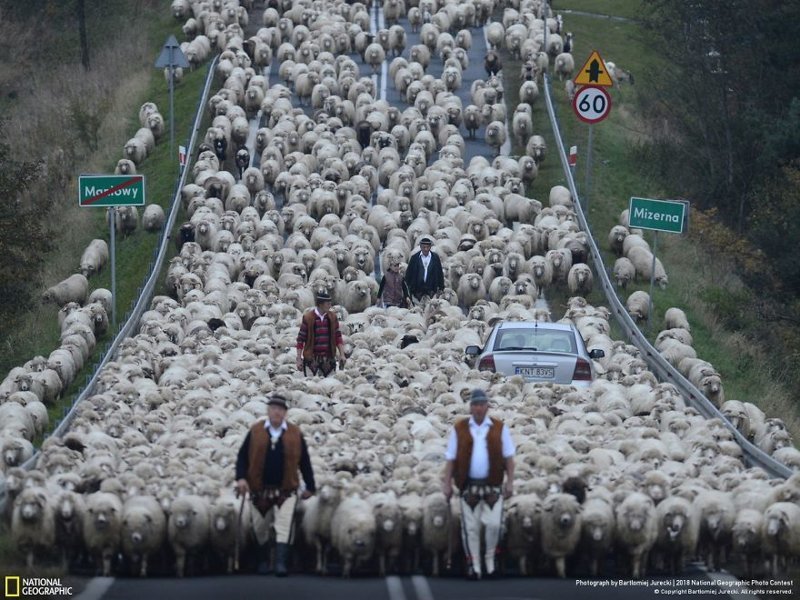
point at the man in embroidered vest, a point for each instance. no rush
(393, 290)
(267, 467)
(424, 275)
(319, 338)
(479, 452)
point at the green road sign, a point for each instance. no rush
(661, 215)
(111, 190)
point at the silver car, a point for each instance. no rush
(538, 351)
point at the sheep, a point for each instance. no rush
(316, 524)
(224, 513)
(153, 218)
(436, 529)
(536, 148)
(125, 166)
(143, 530)
(717, 515)
(522, 525)
(642, 260)
(496, 135)
(389, 530)
(616, 239)
(638, 305)
(597, 531)
(678, 531)
(676, 318)
(72, 289)
(580, 280)
(69, 509)
(781, 534)
(746, 535)
(560, 196)
(637, 530)
(101, 527)
(94, 258)
(624, 272)
(564, 66)
(470, 289)
(187, 528)
(561, 528)
(33, 523)
(126, 219)
(353, 531)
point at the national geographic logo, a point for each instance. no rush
(22, 587)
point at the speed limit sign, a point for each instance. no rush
(592, 104)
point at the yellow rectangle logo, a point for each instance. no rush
(12, 586)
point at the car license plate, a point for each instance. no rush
(540, 372)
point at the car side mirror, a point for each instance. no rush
(596, 353)
(472, 351)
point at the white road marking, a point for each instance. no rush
(96, 589)
(395, 588)
(421, 587)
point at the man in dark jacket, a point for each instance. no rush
(267, 468)
(424, 274)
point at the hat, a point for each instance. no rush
(278, 400)
(323, 297)
(426, 240)
(477, 395)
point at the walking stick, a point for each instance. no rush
(238, 535)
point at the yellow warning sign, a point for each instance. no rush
(594, 72)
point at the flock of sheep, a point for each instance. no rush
(621, 469)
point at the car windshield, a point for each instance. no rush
(535, 340)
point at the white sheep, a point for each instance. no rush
(153, 218)
(642, 260)
(72, 289)
(624, 272)
(561, 528)
(436, 529)
(638, 305)
(675, 318)
(597, 531)
(94, 257)
(188, 528)
(470, 289)
(580, 280)
(316, 524)
(33, 523)
(746, 535)
(522, 526)
(781, 537)
(564, 66)
(389, 530)
(637, 530)
(143, 530)
(353, 532)
(101, 527)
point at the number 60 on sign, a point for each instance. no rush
(592, 104)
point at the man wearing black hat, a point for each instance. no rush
(319, 338)
(424, 275)
(267, 467)
(479, 453)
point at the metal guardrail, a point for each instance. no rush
(145, 294)
(752, 455)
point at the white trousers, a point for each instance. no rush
(281, 519)
(491, 518)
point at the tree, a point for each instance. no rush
(23, 238)
(81, 13)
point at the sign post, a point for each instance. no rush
(591, 104)
(657, 215)
(111, 191)
(171, 57)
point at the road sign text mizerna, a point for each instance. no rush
(661, 215)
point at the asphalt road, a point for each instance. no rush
(695, 582)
